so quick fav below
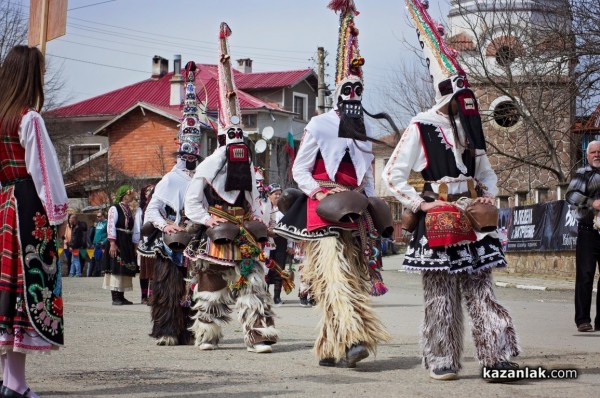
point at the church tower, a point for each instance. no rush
(518, 56)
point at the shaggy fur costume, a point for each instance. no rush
(253, 304)
(339, 281)
(442, 330)
(169, 318)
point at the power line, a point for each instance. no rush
(103, 48)
(99, 64)
(211, 51)
(90, 5)
(185, 38)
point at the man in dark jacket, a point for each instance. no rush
(584, 193)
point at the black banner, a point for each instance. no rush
(543, 227)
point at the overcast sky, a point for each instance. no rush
(110, 43)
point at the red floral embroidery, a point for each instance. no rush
(39, 219)
(57, 306)
(39, 233)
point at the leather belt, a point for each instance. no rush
(232, 211)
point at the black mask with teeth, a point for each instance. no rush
(352, 123)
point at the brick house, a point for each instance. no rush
(129, 134)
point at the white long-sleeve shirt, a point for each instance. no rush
(321, 134)
(410, 155)
(196, 205)
(111, 226)
(42, 164)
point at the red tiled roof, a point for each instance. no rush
(247, 81)
(157, 92)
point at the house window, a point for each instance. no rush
(505, 113)
(211, 144)
(505, 56)
(77, 153)
(249, 121)
(301, 106)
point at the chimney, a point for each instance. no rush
(176, 82)
(160, 67)
(245, 65)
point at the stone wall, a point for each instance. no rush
(559, 264)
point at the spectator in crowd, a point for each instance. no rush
(98, 242)
(75, 244)
(388, 247)
(584, 193)
(279, 250)
(119, 263)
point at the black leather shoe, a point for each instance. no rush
(8, 393)
(330, 362)
(356, 353)
(117, 302)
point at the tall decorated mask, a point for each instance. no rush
(189, 135)
(349, 84)
(231, 133)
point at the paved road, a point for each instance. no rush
(109, 353)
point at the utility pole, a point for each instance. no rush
(321, 88)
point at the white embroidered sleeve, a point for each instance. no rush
(304, 164)
(407, 156)
(486, 175)
(42, 164)
(111, 225)
(137, 226)
(255, 198)
(196, 206)
(153, 213)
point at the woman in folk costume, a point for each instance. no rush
(119, 261)
(224, 200)
(171, 295)
(34, 202)
(446, 144)
(146, 262)
(333, 168)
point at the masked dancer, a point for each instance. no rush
(224, 200)
(333, 168)
(170, 304)
(446, 144)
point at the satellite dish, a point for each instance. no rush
(235, 119)
(260, 146)
(268, 132)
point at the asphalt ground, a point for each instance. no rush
(108, 352)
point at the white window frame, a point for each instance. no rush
(72, 146)
(304, 116)
(493, 106)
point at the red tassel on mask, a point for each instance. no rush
(343, 6)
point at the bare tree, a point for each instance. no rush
(534, 66)
(408, 91)
(14, 24)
